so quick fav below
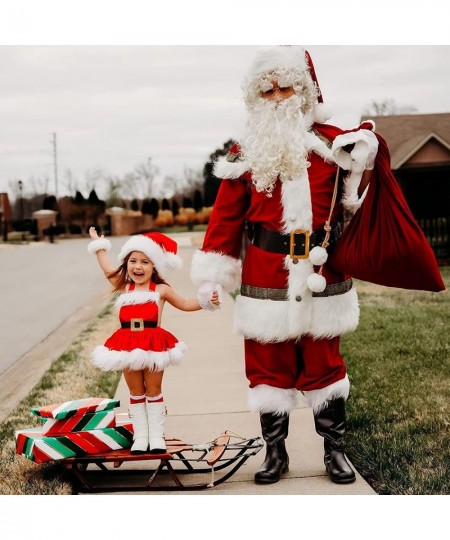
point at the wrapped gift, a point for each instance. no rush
(77, 407)
(40, 448)
(86, 422)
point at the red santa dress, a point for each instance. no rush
(140, 343)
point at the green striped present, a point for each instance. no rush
(77, 407)
(86, 422)
(37, 447)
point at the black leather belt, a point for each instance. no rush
(297, 244)
(138, 325)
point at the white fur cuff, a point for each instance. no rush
(97, 245)
(363, 154)
(217, 267)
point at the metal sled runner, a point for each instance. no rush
(218, 456)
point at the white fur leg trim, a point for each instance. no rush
(334, 315)
(138, 359)
(318, 399)
(229, 169)
(97, 245)
(270, 399)
(218, 267)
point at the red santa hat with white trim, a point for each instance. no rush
(289, 57)
(158, 247)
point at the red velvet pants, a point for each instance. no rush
(307, 364)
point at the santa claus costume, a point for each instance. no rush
(290, 180)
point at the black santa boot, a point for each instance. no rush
(330, 424)
(274, 429)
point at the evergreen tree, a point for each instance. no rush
(198, 200)
(211, 182)
(175, 207)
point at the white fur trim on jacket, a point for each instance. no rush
(161, 259)
(136, 297)
(270, 321)
(269, 399)
(318, 399)
(138, 359)
(229, 169)
(218, 267)
(315, 144)
(97, 245)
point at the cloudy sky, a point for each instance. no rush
(113, 107)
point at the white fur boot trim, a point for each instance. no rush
(155, 415)
(138, 413)
(270, 399)
(318, 399)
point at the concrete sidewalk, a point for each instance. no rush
(208, 394)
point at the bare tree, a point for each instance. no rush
(146, 174)
(387, 107)
(70, 182)
(93, 177)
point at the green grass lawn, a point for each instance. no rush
(399, 409)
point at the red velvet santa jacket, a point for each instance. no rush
(275, 303)
(303, 203)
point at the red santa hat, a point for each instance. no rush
(158, 247)
(290, 57)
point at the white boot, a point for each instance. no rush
(138, 413)
(155, 414)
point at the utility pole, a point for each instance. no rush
(55, 166)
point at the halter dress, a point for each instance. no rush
(140, 343)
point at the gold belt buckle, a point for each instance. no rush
(292, 244)
(137, 325)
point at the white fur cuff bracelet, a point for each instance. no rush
(97, 245)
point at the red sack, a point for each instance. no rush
(383, 243)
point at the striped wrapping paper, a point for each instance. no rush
(86, 422)
(37, 447)
(78, 407)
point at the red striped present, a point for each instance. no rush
(86, 422)
(77, 407)
(37, 447)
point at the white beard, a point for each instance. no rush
(274, 142)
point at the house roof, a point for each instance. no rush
(406, 134)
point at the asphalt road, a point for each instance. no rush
(46, 291)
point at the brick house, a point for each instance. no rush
(420, 158)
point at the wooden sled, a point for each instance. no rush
(215, 456)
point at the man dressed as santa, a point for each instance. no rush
(290, 179)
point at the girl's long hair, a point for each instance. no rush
(122, 278)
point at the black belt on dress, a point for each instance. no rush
(297, 244)
(138, 325)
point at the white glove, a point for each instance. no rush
(205, 292)
(363, 154)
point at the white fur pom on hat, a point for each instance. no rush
(158, 247)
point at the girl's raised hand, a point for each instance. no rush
(93, 233)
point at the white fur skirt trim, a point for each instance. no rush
(137, 359)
